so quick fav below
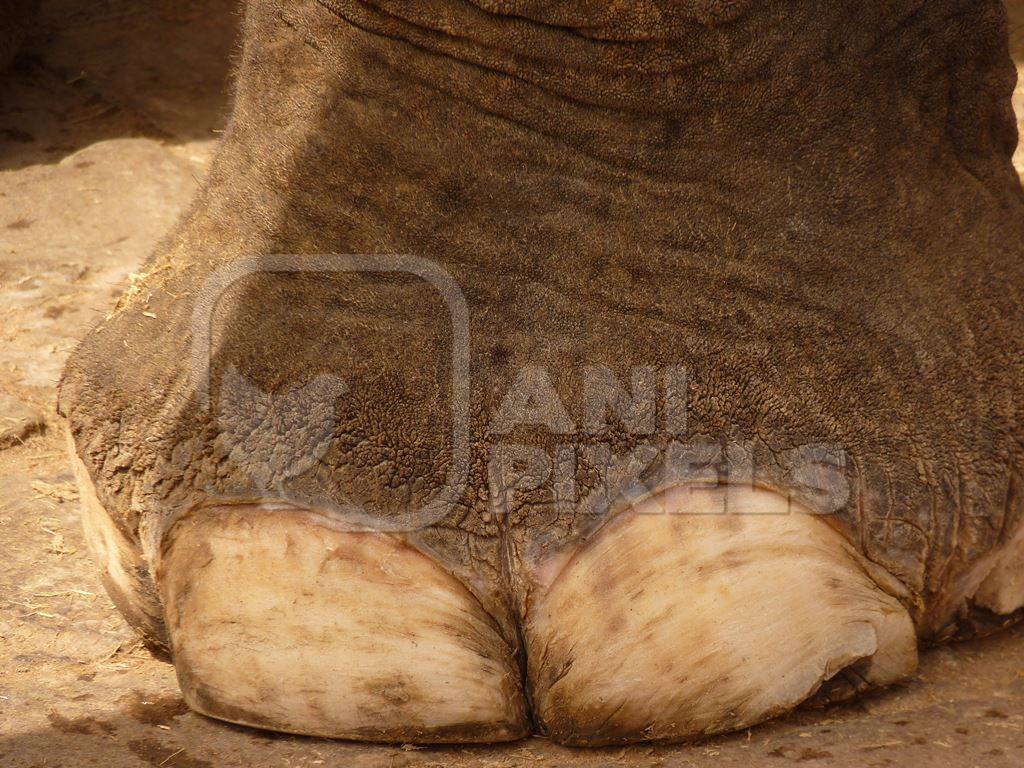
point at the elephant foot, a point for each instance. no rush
(449, 410)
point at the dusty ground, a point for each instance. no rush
(107, 122)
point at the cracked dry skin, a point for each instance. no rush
(804, 216)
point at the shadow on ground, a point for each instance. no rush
(101, 69)
(965, 709)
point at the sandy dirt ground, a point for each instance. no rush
(108, 121)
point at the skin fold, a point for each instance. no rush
(805, 213)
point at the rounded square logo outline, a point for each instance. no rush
(225, 276)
